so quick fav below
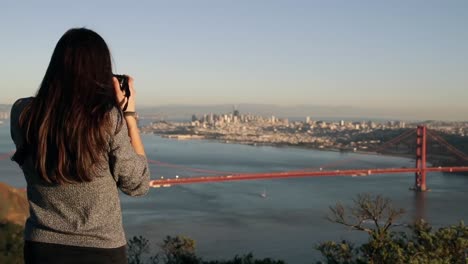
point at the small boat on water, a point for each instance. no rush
(263, 194)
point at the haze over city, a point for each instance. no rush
(399, 59)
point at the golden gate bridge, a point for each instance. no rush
(420, 170)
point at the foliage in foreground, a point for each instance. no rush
(181, 250)
(375, 215)
(11, 243)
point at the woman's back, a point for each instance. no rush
(77, 148)
(87, 213)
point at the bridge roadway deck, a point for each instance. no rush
(295, 174)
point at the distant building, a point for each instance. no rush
(273, 119)
(211, 118)
(371, 124)
(363, 125)
(235, 111)
(401, 124)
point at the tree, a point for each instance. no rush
(246, 259)
(375, 209)
(179, 250)
(136, 248)
(446, 245)
(373, 215)
(376, 216)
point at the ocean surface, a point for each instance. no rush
(233, 218)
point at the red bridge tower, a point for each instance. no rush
(420, 176)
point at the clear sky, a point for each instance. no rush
(400, 56)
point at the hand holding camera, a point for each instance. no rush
(124, 92)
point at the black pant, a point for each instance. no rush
(46, 253)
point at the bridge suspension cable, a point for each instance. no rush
(449, 147)
(380, 148)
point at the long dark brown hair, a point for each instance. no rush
(67, 124)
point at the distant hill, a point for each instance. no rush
(14, 206)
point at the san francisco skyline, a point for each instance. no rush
(396, 59)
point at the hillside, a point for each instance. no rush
(13, 205)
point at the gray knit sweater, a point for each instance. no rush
(85, 214)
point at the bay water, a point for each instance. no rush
(230, 218)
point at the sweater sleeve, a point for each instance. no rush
(130, 170)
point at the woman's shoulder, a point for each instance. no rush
(21, 103)
(116, 119)
(19, 106)
(24, 100)
(15, 114)
(116, 115)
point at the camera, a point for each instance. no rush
(123, 82)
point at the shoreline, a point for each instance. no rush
(184, 137)
(436, 162)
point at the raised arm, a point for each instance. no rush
(129, 168)
(130, 120)
(127, 155)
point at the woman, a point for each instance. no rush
(77, 148)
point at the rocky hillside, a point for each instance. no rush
(13, 205)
